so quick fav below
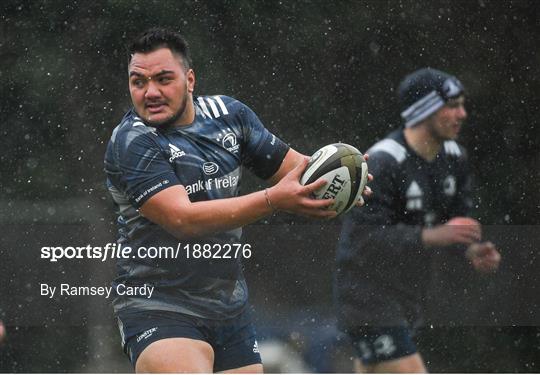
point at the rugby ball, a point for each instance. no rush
(345, 171)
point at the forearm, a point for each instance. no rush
(201, 218)
(172, 209)
(225, 214)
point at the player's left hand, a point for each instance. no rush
(484, 256)
(367, 190)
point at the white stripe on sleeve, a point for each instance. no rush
(221, 105)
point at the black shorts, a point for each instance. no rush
(378, 344)
(233, 340)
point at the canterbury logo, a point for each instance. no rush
(175, 152)
(146, 334)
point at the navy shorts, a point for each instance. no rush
(233, 340)
(378, 344)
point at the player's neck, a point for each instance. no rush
(420, 139)
(188, 116)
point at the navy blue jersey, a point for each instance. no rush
(206, 158)
(383, 269)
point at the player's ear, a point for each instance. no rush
(190, 80)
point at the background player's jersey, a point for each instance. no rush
(382, 267)
(206, 158)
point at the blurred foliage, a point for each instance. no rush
(315, 72)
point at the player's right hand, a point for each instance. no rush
(452, 234)
(484, 257)
(290, 196)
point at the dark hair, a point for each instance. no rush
(155, 38)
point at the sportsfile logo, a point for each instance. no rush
(175, 152)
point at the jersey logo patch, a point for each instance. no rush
(209, 168)
(175, 152)
(228, 141)
(449, 185)
(414, 197)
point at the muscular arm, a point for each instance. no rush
(291, 160)
(172, 209)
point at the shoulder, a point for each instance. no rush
(132, 130)
(215, 106)
(389, 151)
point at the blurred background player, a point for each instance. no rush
(421, 195)
(174, 169)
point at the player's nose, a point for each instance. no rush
(462, 112)
(152, 91)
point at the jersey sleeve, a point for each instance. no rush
(263, 151)
(138, 168)
(464, 193)
(375, 228)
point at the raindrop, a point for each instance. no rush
(31, 163)
(374, 47)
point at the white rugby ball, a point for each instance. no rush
(345, 171)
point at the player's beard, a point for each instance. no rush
(171, 120)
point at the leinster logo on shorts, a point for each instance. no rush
(210, 168)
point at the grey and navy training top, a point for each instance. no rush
(383, 269)
(206, 158)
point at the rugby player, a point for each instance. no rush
(173, 168)
(421, 181)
